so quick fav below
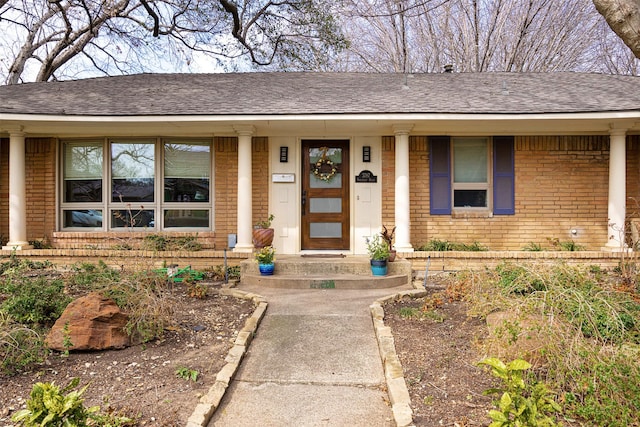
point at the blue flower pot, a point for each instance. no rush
(266, 269)
(379, 267)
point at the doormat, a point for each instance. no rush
(324, 284)
(323, 255)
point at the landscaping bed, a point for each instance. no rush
(157, 383)
(590, 353)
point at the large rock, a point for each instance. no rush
(94, 323)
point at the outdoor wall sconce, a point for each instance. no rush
(284, 154)
(366, 154)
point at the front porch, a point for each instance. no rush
(327, 272)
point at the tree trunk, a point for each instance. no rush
(623, 16)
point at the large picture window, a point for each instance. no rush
(471, 174)
(153, 184)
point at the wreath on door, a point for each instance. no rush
(324, 169)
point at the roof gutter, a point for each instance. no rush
(607, 115)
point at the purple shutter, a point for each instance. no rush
(503, 176)
(439, 175)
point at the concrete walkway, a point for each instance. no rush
(313, 362)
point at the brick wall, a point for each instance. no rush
(40, 167)
(388, 179)
(561, 184)
(226, 188)
(40, 164)
(260, 159)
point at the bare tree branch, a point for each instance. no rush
(154, 16)
(623, 16)
(50, 34)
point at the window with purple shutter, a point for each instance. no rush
(440, 175)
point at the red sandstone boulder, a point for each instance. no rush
(94, 323)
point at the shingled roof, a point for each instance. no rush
(325, 93)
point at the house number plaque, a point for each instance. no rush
(366, 176)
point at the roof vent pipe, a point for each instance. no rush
(448, 68)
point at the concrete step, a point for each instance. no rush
(350, 272)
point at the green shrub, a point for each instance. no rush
(186, 243)
(159, 242)
(17, 266)
(474, 247)
(51, 406)
(218, 273)
(514, 279)
(155, 242)
(444, 245)
(40, 244)
(532, 247)
(436, 245)
(609, 316)
(592, 331)
(20, 346)
(187, 374)
(571, 246)
(608, 392)
(144, 297)
(92, 277)
(233, 272)
(566, 245)
(521, 403)
(430, 304)
(410, 312)
(34, 300)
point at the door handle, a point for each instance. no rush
(304, 201)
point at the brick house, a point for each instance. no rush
(503, 159)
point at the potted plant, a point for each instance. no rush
(379, 253)
(263, 233)
(388, 237)
(265, 257)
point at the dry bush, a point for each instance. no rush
(575, 325)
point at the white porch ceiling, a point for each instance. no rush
(322, 125)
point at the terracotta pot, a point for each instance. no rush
(262, 237)
(392, 255)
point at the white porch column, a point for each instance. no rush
(617, 189)
(17, 194)
(245, 191)
(402, 197)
